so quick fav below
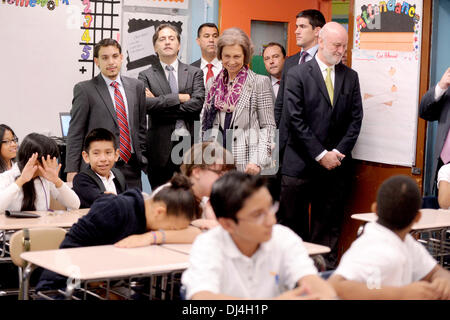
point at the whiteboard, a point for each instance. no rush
(42, 58)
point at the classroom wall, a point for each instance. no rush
(238, 13)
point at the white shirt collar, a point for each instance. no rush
(274, 80)
(232, 251)
(104, 179)
(323, 67)
(174, 65)
(215, 62)
(109, 81)
(375, 227)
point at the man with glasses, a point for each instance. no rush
(249, 255)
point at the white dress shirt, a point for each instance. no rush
(216, 68)
(11, 195)
(380, 258)
(275, 85)
(108, 182)
(311, 53)
(218, 266)
(122, 91)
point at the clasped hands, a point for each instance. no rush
(332, 159)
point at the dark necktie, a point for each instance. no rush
(303, 56)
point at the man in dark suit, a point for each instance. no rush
(324, 112)
(207, 36)
(175, 96)
(308, 23)
(113, 102)
(435, 105)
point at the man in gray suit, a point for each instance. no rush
(435, 105)
(174, 99)
(112, 102)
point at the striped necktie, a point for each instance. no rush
(124, 138)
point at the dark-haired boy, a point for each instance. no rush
(386, 262)
(248, 255)
(100, 153)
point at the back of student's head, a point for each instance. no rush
(32, 143)
(231, 190)
(204, 154)
(98, 134)
(398, 202)
(179, 198)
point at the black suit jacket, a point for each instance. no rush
(92, 107)
(313, 123)
(88, 186)
(165, 108)
(197, 63)
(432, 110)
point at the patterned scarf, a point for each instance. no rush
(222, 98)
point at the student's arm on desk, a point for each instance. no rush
(187, 235)
(444, 194)
(348, 289)
(440, 281)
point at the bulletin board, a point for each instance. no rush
(386, 54)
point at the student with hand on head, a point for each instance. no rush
(8, 147)
(443, 184)
(248, 255)
(118, 219)
(101, 153)
(386, 262)
(30, 183)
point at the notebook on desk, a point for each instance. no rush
(64, 118)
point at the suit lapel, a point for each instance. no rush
(316, 74)
(182, 76)
(103, 91)
(339, 75)
(245, 95)
(160, 77)
(130, 97)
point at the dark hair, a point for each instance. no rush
(231, 190)
(179, 198)
(275, 44)
(106, 43)
(163, 26)
(34, 142)
(398, 202)
(3, 129)
(206, 24)
(315, 17)
(98, 134)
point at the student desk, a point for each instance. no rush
(432, 228)
(58, 218)
(105, 263)
(312, 248)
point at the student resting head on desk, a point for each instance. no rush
(204, 163)
(386, 262)
(8, 147)
(101, 153)
(248, 255)
(125, 218)
(33, 179)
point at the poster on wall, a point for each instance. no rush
(174, 4)
(137, 45)
(386, 55)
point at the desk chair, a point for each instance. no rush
(32, 240)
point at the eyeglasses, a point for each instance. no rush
(219, 172)
(10, 142)
(260, 217)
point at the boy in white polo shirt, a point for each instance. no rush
(386, 262)
(248, 255)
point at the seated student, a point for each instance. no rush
(248, 255)
(386, 262)
(443, 184)
(113, 219)
(34, 178)
(8, 147)
(204, 163)
(101, 153)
